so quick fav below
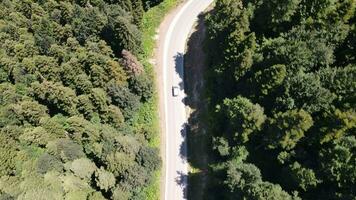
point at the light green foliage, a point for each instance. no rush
(340, 81)
(284, 157)
(269, 191)
(73, 184)
(85, 106)
(98, 76)
(40, 188)
(71, 70)
(74, 195)
(222, 146)
(304, 178)
(10, 115)
(32, 111)
(58, 122)
(286, 129)
(115, 116)
(338, 124)
(282, 10)
(83, 168)
(61, 98)
(152, 20)
(270, 78)
(243, 116)
(96, 196)
(8, 94)
(83, 84)
(8, 151)
(118, 163)
(241, 175)
(121, 194)
(100, 100)
(128, 145)
(36, 136)
(81, 130)
(55, 126)
(339, 162)
(104, 179)
(45, 65)
(239, 154)
(244, 179)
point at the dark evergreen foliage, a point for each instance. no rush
(288, 73)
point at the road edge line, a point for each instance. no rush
(165, 59)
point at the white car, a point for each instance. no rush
(175, 91)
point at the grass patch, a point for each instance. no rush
(152, 192)
(147, 118)
(151, 21)
(146, 121)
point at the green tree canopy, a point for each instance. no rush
(243, 116)
(286, 129)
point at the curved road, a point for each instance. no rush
(173, 37)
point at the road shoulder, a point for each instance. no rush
(158, 55)
(198, 140)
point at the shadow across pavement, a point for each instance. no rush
(182, 180)
(197, 135)
(197, 146)
(179, 65)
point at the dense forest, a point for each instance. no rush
(281, 90)
(71, 88)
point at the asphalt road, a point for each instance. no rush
(173, 38)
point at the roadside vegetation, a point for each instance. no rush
(77, 106)
(151, 20)
(281, 89)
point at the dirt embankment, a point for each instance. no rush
(198, 140)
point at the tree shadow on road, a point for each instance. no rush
(179, 64)
(183, 151)
(198, 138)
(196, 147)
(182, 180)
